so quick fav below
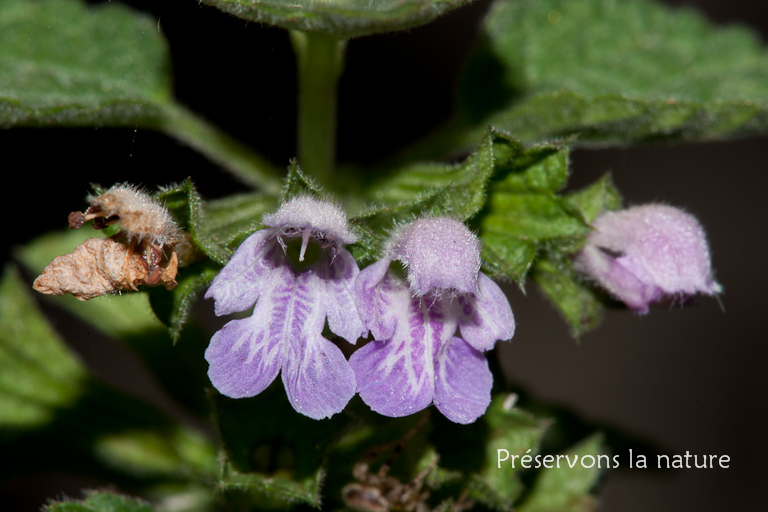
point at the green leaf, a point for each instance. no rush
(579, 304)
(271, 453)
(524, 212)
(215, 229)
(65, 64)
(516, 431)
(342, 18)
(50, 404)
(177, 452)
(566, 489)
(473, 450)
(172, 306)
(608, 71)
(129, 318)
(38, 373)
(457, 190)
(101, 501)
(599, 197)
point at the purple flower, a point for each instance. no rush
(416, 358)
(284, 331)
(647, 252)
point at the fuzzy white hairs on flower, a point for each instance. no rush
(307, 218)
(144, 220)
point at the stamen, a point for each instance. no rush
(304, 241)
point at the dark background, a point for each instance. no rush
(689, 379)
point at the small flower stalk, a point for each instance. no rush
(416, 358)
(646, 253)
(284, 333)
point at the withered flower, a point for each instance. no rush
(141, 253)
(147, 224)
(100, 266)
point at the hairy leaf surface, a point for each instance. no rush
(66, 64)
(609, 72)
(343, 18)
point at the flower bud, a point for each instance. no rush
(647, 252)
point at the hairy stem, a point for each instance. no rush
(241, 161)
(319, 59)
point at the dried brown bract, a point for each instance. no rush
(101, 266)
(380, 492)
(147, 225)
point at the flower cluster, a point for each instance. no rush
(415, 358)
(430, 327)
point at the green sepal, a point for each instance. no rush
(458, 191)
(272, 456)
(342, 18)
(597, 198)
(101, 501)
(567, 489)
(525, 212)
(297, 183)
(580, 304)
(172, 306)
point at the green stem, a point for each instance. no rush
(319, 59)
(243, 162)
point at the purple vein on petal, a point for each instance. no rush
(337, 273)
(245, 356)
(396, 377)
(317, 378)
(238, 285)
(463, 382)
